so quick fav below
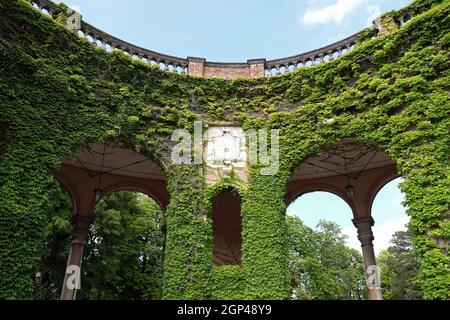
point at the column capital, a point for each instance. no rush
(363, 222)
(364, 228)
(81, 226)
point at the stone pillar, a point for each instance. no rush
(257, 67)
(188, 258)
(365, 235)
(72, 277)
(196, 66)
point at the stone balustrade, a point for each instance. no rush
(44, 6)
(200, 67)
(328, 53)
(109, 43)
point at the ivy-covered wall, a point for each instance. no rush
(59, 94)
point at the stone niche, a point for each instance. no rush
(225, 153)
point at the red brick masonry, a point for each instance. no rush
(200, 67)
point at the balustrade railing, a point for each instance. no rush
(328, 53)
(108, 42)
(180, 65)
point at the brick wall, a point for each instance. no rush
(201, 68)
(196, 66)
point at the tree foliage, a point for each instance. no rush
(400, 269)
(322, 266)
(122, 257)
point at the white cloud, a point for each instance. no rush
(335, 12)
(382, 233)
(352, 238)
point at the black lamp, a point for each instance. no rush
(350, 190)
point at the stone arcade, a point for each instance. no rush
(99, 121)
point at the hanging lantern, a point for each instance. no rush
(98, 194)
(350, 190)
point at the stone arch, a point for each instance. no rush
(124, 202)
(313, 187)
(68, 186)
(138, 187)
(108, 170)
(99, 170)
(330, 169)
(378, 185)
(355, 170)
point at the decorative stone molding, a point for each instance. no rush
(364, 227)
(225, 153)
(81, 226)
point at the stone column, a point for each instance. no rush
(365, 235)
(73, 272)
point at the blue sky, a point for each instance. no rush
(237, 30)
(232, 30)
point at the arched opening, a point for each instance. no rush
(96, 176)
(104, 168)
(354, 171)
(227, 228)
(123, 254)
(399, 264)
(325, 261)
(388, 211)
(314, 206)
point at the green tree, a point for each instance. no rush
(322, 266)
(122, 257)
(399, 269)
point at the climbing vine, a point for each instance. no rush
(59, 94)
